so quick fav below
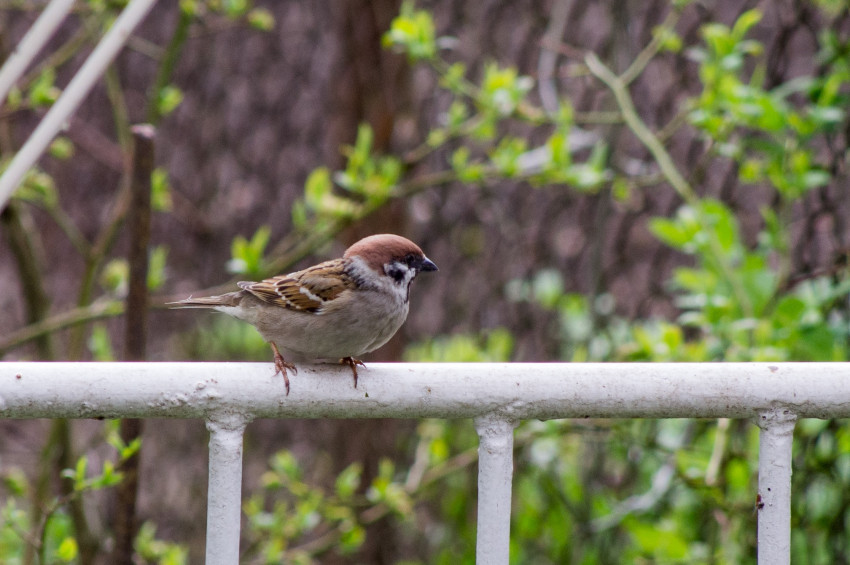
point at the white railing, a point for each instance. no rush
(496, 395)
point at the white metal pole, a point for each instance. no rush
(773, 502)
(224, 494)
(495, 475)
(31, 44)
(424, 390)
(73, 95)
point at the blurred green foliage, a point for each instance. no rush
(674, 491)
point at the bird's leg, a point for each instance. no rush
(281, 365)
(352, 362)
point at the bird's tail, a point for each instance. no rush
(229, 299)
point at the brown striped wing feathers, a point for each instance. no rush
(308, 290)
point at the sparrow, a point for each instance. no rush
(339, 309)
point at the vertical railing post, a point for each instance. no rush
(224, 494)
(495, 475)
(774, 494)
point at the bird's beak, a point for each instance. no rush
(427, 265)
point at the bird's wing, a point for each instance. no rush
(309, 290)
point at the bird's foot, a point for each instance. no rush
(281, 365)
(352, 362)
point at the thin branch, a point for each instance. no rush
(548, 59)
(125, 523)
(668, 168)
(651, 50)
(624, 100)
(104, 308)
(718, 452)
(167, 64)
(25, 245)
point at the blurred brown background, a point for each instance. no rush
(263, 109)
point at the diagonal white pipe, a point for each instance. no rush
(73, 95)
(40, 32)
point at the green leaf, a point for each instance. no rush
(413, 33)
(61, 148)
(547, 288)
(100, 344)
(751, 171)
(67, 550)
(351, 539)
(247, 256)
(38, 187)
(348, 481)
(560, 158)
(789, 312)
(43, 92)
(78, 474)
(744, 23)
(317, 186)
(115, 276)
(466, 171)
(15, 481)
(503, 89)
(161, 200)
(722, 224)
(168, 98)
(161, 552)
(456, 115)
(14, 98)
(454, 77)
(815, 178)
(108, 477)
(261, 18)
(234, 8)
(156, 267)
(189, 7)
(671, 232)
(585, 176)
(669, 39)
(506, 154)
(437, 137)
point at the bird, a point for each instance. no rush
(338, 309)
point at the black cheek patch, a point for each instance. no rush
(396, 271)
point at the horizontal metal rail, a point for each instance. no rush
(440, 390)
(496, 395)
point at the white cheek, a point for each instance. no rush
(399, 273)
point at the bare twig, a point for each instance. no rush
(718, 452)
(28, 259)
(548, 58)
(103, 308)
(651, 50)
(668, 168)
(135, 335)
(167, 63)
(624, 101)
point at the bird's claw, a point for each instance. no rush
(281, 365)
(352, 362)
